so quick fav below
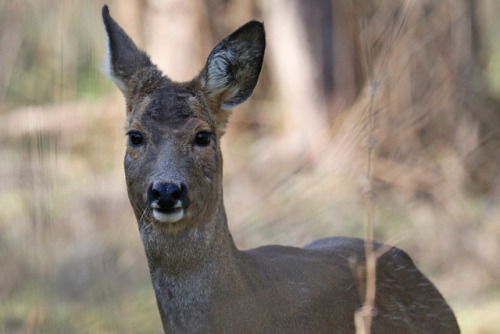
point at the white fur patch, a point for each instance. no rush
(171, 217)
(107, 69)
(218, 80)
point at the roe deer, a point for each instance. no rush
(203, 283)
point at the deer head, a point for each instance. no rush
(173, 162)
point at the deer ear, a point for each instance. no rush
(234, 65)
(125, 64)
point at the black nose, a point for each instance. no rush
(168, 195)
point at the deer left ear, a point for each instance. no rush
(234, 65)
(128, 66)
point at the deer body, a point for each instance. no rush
(202, 282)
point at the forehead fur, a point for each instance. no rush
(171, 105)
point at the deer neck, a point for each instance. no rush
(186, 269)
(207, 237)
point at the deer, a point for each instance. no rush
(203, 283)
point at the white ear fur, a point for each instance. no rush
(107, 69)
(128, 66)
(233, 66)
(218, 79)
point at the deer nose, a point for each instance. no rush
(168, 196)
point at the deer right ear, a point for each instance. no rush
(234, 65)
(126, 64)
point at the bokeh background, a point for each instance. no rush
(382, 111)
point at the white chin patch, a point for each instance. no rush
(172, 216)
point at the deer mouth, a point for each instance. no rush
(172, 215)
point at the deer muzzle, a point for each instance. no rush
(169, 201)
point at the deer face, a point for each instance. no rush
(173, 163)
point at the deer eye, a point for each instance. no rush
(135, 138)
(203, 138)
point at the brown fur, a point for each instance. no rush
(203, 283)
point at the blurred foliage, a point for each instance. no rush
(50, 52)
(491, 40)
(417, 82)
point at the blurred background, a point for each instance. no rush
(367, 110)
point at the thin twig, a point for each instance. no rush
(141, 219)
(363, 317)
